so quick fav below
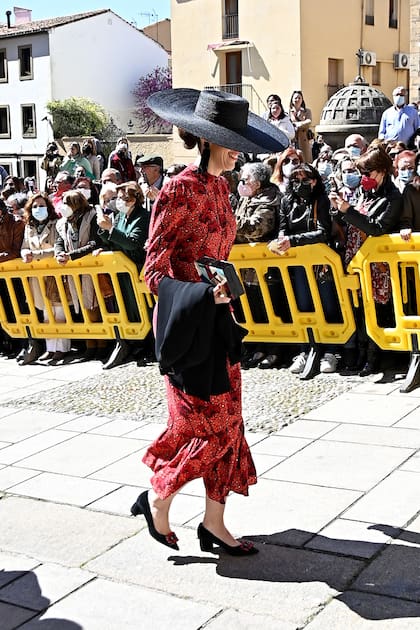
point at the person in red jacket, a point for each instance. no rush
(120, 160)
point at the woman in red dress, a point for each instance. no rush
(192, 218)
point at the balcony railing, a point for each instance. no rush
(256, 104)
(230, 26)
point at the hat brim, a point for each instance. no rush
(177, 106)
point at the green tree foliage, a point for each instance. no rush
(77, 117)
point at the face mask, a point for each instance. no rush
(40, 213)
(86, 192)
(352, 180)
(399, 101)
(244, 190)
(325, 169)
(302, 189)
(406, 175)
(418, 170)
(368, 183)
(354, 151)
(122, 206)
(112, 205)
(66, 211)
(287, 169)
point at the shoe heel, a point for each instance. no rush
(136, 509)
(205, 538)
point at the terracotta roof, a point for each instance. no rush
(39, 26)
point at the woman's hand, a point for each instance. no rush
(104, 222)
(405, 234)
(27, 255)
(338, 202)
(220, 295)
(279, 245)
(98, 251)
(62, 258)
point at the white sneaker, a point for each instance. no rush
(328, 363)
(298, 364)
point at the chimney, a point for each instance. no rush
(22, 16)
(8, 14)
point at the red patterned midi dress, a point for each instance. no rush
(192, 217)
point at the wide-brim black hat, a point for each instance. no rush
(219, 117)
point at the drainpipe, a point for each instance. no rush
(8, 14)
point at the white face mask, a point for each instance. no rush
(40, 213)
(86, 192)
(287, 169)
(122, 206)
(66, 211)
(399, 100)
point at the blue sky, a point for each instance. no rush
(130, 10)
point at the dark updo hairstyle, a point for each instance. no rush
(190, 141)
(309, 172)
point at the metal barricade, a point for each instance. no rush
(19, 317)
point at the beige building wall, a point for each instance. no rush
(293, 44)
(415, 51)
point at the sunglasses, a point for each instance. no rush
(294, 161)
(365, 172)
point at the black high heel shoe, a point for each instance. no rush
(207, 539)
(141, 506)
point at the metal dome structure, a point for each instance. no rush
(356, 108)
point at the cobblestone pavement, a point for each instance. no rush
(271, 398)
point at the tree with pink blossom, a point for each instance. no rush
(159, 79)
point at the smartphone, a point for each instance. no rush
(99, 212)
(333, 184)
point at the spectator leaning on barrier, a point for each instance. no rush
(77, 237)
(377, 212)
(404, 167)
(127, 234)
(38, 243)
(11, 235)
(305, 219)
(410, 218)
(257, 221)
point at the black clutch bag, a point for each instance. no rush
(216, 271)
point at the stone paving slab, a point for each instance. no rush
(93, 452)
(57, 581)
(350, 538)
(32, 445)
(24, 424)
(64, 489)
(128, 470)
(377, 436)
(366, 409)
(12, 616)
(394, 501)
(300, 580)
(361, 611)
(59, 533)
(235, 620)
(340, 465)
(12, 475)
(312, 429)
(280, 446)
(13, 566)
(106, 605)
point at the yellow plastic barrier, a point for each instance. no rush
(403, 259)
(306, 326)
(20, 318)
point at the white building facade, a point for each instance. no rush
(95, 55)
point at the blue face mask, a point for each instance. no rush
(352, 180)
(40, 213)
(325, 169)
(354, 151)
(406, 175)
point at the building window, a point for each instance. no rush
(29, 167)
(25, 62)
(393, 13)
(376, 74)
(3, 66)
(370, 12)
(28, 121)
(335, 76)
(230, 19)
(4, 121)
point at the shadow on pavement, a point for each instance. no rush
(377, 581)
(21, 589)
